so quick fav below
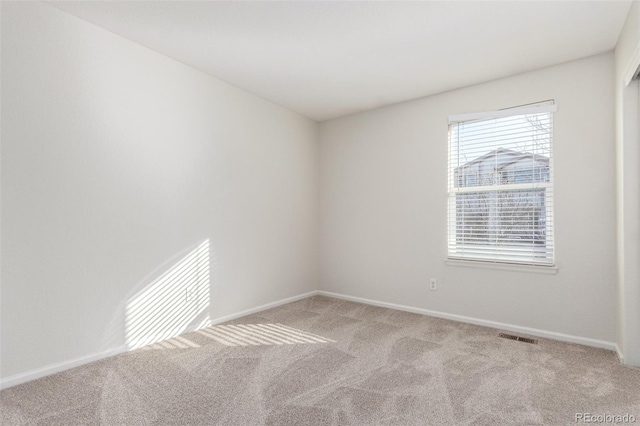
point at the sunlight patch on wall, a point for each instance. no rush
(260, 334)
(174, 302)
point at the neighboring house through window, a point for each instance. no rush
(501, 186)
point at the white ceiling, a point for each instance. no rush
(328, 59)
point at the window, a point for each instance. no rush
(504, 213)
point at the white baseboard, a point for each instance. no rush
(18, 379)
(28, 376)
(486, 323)
(260, 308)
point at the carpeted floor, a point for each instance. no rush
(322, 361)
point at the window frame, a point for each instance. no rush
(454, 189)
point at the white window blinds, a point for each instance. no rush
(501, 186)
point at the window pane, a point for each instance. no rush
(510, 216)
(501, 217)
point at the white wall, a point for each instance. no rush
(116, 163)
(628, 189)
(383, 229)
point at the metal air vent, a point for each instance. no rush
(518, 338)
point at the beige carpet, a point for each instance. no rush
(323, 361)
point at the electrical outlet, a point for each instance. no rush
(433, 284)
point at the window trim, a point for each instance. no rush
(503, 266)
(547, 106)
(535, 108)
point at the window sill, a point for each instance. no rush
(549, 270)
